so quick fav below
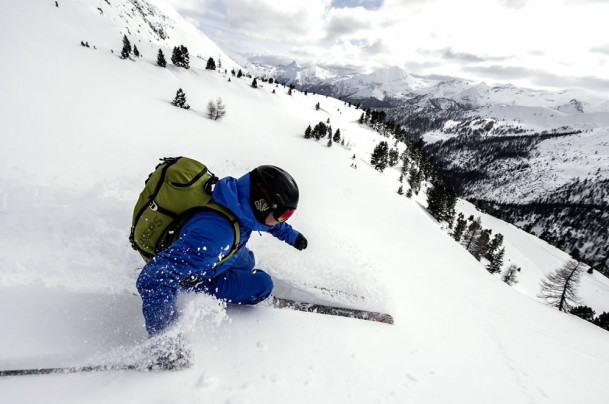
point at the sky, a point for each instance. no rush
(553, 44)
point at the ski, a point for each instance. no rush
(87, 369)
(281, 303)
(71, 369)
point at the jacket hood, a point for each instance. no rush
(234, 194)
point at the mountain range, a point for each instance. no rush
(537, 158)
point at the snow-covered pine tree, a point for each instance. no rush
(583, 312)
(185, 57)
(480, 245)
(379, 156)
(414, 179)
(494, 265)
(180, 57)
(126, 51)
(160, 59)
(472, 232)
(180, 100)
(460, 227)
(307, 133)
(211, 64)
(393, 157)
(336, 137)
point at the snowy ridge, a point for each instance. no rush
(84, 129)
(154, 23)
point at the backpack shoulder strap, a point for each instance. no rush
(172, 233)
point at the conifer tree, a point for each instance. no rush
(480, 245)
(211, 64)
(185, 57)
(308, 132)
(460, 227)
(494, 265)
(493, 246)
(330, 142)
(379, 156)
(160, 59)
(336, 137)
(401, 190)
(126, 48)
(255, 83)
(472, 233)
(180, 100)
(180, 57)
(559, 288)
(603, 321)
(393, 157)
(317, 106)
(136, 52)
(240, 74)
(414, 179)
(583, 312)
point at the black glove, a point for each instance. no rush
(301, 242)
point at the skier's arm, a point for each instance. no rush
(284, 232)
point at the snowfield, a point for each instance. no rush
(82, 129)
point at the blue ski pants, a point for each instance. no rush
(159, 286)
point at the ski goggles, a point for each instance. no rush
(282, 216)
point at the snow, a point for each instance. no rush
(81, 130)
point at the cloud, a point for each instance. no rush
(348, 22)
(541, 78)
(601, 49)
(513, 3)
(293, 20)
(448, 54)
(367, 4)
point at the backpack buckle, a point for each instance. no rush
(153, 206)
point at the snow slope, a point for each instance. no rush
(81, 129)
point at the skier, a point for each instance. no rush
(261, 200)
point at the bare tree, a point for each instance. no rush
(216, 110)
(212, 110)
(559, 289)
(510, 276)
(220, 109)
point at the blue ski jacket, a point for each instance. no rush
(207, 236)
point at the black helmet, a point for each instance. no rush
(272, 189)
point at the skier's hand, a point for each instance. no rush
(301, 242)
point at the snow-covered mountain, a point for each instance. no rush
(153, 24)
(81, 130)
(562, 139)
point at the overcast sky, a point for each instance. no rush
(553, 44)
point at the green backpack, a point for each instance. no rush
(177, 188)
